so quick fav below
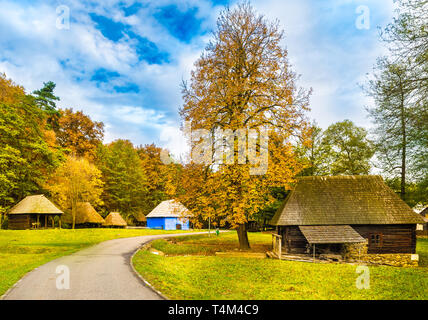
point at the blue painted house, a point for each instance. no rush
(169, 215)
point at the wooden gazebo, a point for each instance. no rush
(33, 212)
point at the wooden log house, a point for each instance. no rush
(34, 212)
(423, 228)
(323, 213)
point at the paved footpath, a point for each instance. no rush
(101, 272)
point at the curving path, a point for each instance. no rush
(101, 272)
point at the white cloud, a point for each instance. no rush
(173, 139)
(135, 115)
(329, 62)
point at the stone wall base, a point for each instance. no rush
(358, 252)
(393, 259)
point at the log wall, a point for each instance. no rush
(395, 238)
(19, 222)
(293, 240)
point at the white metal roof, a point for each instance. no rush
(169, 208)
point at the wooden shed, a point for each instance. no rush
(169, 215)
(114, 220)
(328, 212)
(423, 228)
(86, 216)
(33, 212)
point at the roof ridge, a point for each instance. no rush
(365, 176)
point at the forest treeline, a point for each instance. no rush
(60, 153)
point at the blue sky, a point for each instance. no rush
(122, 62)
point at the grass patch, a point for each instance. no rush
(204, 245)
(210, 277)
(23, 250)
(422, 250)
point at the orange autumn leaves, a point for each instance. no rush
(243, 81)
(74, 181)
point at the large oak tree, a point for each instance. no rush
(243, 80)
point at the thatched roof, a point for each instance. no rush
(139, 216)
(37, 204)
(85, 213)
(114, 219)
(169, 209)
(331, 234)
(343, 200)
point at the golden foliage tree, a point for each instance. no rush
(162, 178)
(243, 81)
(79, 134)
(75, 181)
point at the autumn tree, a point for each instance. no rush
(314, 154)
(243, 82)
(76, 180)
(122, 171)
(202, 194)
(26, 158)
(79, 134)
(162, 178)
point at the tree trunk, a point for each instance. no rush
(403, 152)
(73, 213)
(244, 244)
(403, 175)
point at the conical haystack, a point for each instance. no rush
(85, 213)
(139, 217)
(114, 219)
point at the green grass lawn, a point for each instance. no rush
(190, 271)
(208, 245)
(23, 250)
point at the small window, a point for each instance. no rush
(375, 239)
